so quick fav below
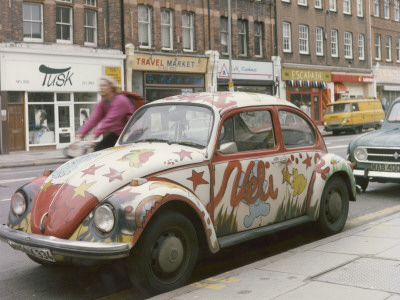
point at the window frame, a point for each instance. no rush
(375, 8)
(145, 23)
(396, 13)
(318, 4)
(332, 5)
(319, 41)
(92, 3)
(259, 37)
(377, 46)
(225, 33)
(302, 2)
(334, 43)
(304, 39)
(31, 39)
(347, 7)
(361, 47)
(398, 50)
(360, 8)
(348, 45)
(388, 47)
(386, 9)
(70, 24)
(242, 36)
(169, 26)
(87, 27)
(287, 38)
(191, 31)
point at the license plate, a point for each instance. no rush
(385, 167)
(41, 253)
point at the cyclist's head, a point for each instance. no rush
(108, 84)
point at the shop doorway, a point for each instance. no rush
(309, 103)
(64, 125)
(16, 126)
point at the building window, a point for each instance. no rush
(318, 3)
(166, 29)
(386, 9)
(287, 37)
(396, 10)
(64, 24)
(361, 47)
(378, 47)
(258, 38)
(346, 7)
(332, 5)
(388, 45)
(319, 41)
(33, 22)
(334, 43)
(376, 8)
(90, 2)
(187, 31)
(302, 2)
(144, 23)
(224, 35)
(348, 45)
(90, 27)
(303, 39)
(397, 50)
(242, 32)
(360, 12)
(65, 1)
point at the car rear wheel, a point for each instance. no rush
(165, 254)
(334, 206)
(362, 182)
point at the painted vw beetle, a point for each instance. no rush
(209, 168)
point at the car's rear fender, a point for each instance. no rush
(329, 165)
(135, 206)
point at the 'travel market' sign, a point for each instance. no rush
(295, 74)
(147, 62)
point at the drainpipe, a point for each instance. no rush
(209, 25)
(122, 26)
(275, 31)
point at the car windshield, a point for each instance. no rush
(172, 124)
(394, 114)
(337, 108)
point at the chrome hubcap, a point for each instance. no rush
(170, 254)
(335, 205)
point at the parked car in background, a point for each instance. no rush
(353, 115)
(377, 153)
(213, 169)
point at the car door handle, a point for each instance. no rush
(279, 161)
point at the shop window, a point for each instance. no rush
(41, 124)
(83, 107)
(40, 97)
(33, 22)
(63, 96)
(16, 97)
(85, 97)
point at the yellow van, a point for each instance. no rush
(353, 115)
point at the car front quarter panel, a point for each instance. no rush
(134, 207)
(328, 166)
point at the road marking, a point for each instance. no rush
(16, 180)
(366, 218)
(216, 283)
(335, 147)
(340, 140)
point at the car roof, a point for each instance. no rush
(353, 100)
(224, 101)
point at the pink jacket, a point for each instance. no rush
(112, 116)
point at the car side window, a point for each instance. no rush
(251, 130)
(354, 107)
(296, 131)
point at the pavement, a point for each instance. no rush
(359, 263)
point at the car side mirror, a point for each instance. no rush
(227, 148)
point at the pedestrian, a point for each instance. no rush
(111, 115)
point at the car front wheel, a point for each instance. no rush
(165, 254)
(334, 206)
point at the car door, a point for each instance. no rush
(299, 139)
(247, 172)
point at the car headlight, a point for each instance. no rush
(345, 121)
(18, 204)
(325, 123)
(360, 154)
(104, 218)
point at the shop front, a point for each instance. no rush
(387, 85)
(48, 97)
(247, 76)
(348, 86)
(308, 90)
(157, 76)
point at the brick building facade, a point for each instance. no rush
(52, 54)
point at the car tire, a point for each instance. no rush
(362, 182)
(334, 206)
(165, 254)
(358, 130)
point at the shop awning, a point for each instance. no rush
(340, 88)
(307, 83)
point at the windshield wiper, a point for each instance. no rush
(191, 144)
(154, 140)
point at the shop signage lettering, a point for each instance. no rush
(292, 74)
(178, 63)
(56, 77)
